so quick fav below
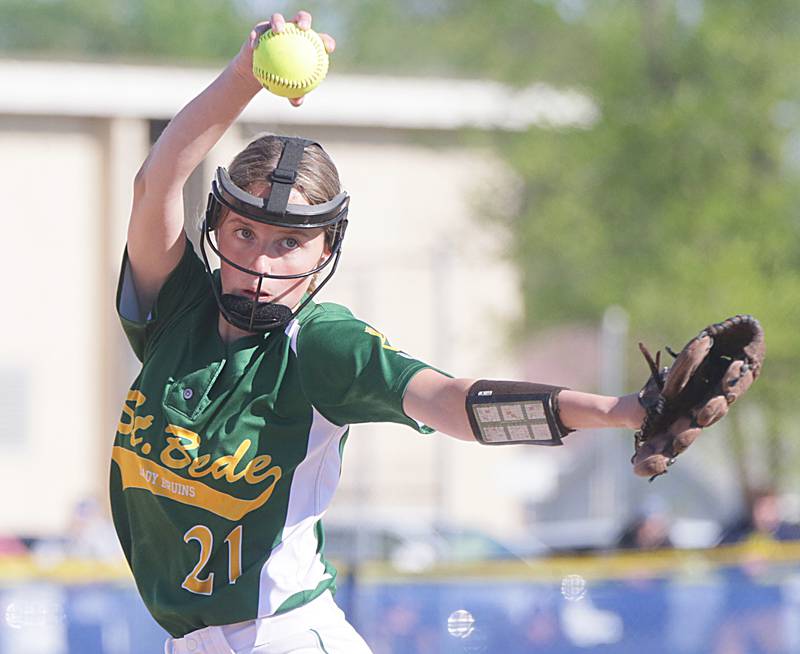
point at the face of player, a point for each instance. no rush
(766, 513)
(267, 249)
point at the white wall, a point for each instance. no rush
(49, 277)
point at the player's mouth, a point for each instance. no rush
(256, 297)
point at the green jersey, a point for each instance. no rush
(227, 455)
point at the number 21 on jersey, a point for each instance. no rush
(202, 534)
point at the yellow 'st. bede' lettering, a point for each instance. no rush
(256, 465)
(196, 465)
(137, 422)
(226, 465)
(174, 444)
(176, 455)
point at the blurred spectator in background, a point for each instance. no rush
(12, 546)
(89, 535)
(756, 620)
(649, 528)
(644, 610)
(762, 520)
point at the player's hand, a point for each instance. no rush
(243, 62)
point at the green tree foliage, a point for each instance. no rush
(682, 203)
(163, 31)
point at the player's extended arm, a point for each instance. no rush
(439, 402)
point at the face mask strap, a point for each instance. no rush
(285, 175)
(225, 193)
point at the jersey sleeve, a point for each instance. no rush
(184, 286)
(351, 374)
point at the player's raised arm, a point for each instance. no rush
(155, 242)
(476, 410)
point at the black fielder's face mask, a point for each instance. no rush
(244, 312)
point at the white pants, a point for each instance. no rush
(317, 627)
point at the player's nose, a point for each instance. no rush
(262, 264)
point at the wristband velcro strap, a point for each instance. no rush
(510, 412)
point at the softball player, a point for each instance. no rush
(229, 446)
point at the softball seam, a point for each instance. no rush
(271, 78)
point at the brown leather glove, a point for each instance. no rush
(712, 371)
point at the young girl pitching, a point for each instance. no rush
(229, 447)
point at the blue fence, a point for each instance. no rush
(716, 602)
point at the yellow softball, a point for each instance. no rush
(290, 63)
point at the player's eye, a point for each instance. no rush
(244, 233)
(290, 243)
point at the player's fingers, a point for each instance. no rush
(257, 31)
(278, 22)
(303, 20)
(328, 41)
(262, 27)
(296, 102)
